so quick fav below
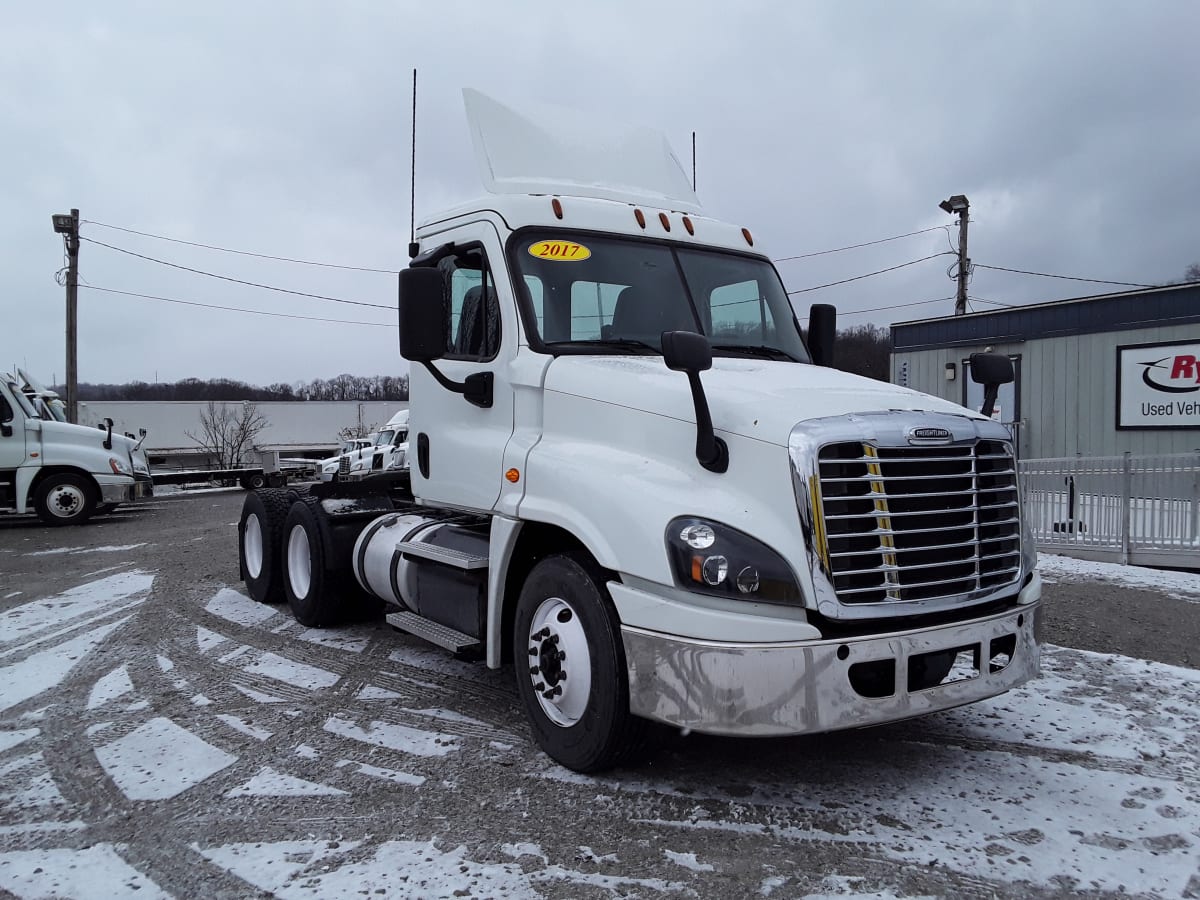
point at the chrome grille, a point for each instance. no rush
(919, 523)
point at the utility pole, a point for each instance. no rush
(68, 227)
(958, 204)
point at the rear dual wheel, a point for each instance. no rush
(259, 532)
(317, 576)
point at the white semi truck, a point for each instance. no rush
(634, 480)
(65, 473)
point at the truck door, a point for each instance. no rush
(456, 448)
(12, 443)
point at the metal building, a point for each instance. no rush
(1095, 376)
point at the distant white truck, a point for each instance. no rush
(388, 451)
(65, 473)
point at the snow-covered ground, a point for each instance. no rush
(263, 756)
(1183, 585)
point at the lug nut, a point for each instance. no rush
(562, 654)
(533, 670)
(540, 686)
(533, 651)
(554, 639)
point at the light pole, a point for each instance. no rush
(958, 205)
(68, 227)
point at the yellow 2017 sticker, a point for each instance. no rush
(560, 251)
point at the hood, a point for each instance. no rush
(758, 399)
(59, 438)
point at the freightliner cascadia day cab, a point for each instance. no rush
(631, 480)
(65, 473)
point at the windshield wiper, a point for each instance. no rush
(754, 350)
(615, 344)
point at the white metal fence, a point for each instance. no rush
(1143, 510)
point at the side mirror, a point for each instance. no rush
(425, 332)
(991, 370)
(6, 430)
(686, 351)
(822, 332)
(424, 323)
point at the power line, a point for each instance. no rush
(257, 312)
(1065, 277)
(895, 306)
(868, 274)
(994, 302)
(265, 287)
(866, 243)
(287, 259)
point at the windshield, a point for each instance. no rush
(384, 438)
(22, 400)
(619, 295)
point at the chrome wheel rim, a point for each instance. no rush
(560, 662)
(299, 563)
(252, 546)
(65, 501)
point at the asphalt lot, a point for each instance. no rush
(162, 735)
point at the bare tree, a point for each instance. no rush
(227, 431)
(1192, 273)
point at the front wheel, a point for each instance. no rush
(64, 498)
(570, 667)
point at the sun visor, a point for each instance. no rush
(564, 152)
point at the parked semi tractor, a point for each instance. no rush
(636, 481)
(65, 473)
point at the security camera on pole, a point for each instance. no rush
(958, 205)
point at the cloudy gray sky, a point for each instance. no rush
(283, 129)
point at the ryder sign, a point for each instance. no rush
(1158, 385)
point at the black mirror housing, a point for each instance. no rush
(686, 351)
(822, 333)
(991, 368)
(424, 323)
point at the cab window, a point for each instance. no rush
(474, 327)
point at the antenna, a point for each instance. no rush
(413, 249)
(693, 160)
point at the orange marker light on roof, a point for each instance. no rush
(666, 223)
(557, 207)
(513, 475)
(746, 235)
(640, 216)
(687, 223)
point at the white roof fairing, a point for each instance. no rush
(564, 152)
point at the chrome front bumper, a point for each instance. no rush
(752, 689)
(123, 491)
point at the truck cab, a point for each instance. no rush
(63, 472)
(636, 479)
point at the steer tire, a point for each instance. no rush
(587, 727)
(317, 578)
(64, 498)
(260, 552)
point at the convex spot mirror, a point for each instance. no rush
(991, 368)
(424, 320)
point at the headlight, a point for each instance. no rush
(118, 467)
(711, 558)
